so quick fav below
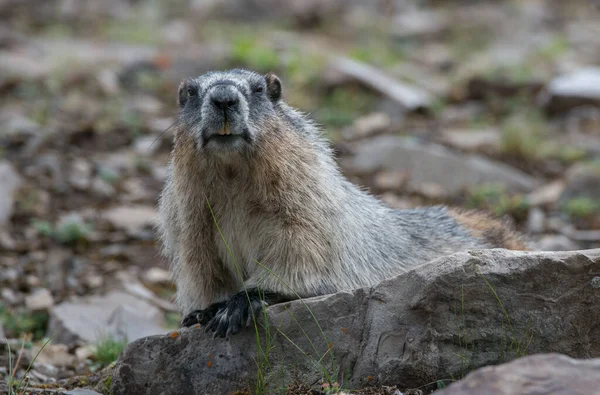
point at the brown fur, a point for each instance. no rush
(492, 230)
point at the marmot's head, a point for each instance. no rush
(224, 110)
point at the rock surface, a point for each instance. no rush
(536, 374)
(10, 181)
(441, 319)
(116, 314)
(582, 87)
(433, 164)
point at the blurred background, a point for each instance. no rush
(482, 104)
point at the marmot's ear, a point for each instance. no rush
(273, 87)
(182, 94)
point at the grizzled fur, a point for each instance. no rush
(279, 198)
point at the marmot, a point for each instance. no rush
(248, 166)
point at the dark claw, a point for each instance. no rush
(236, 314)
(192, 318)
(238, 311)
(202, 317)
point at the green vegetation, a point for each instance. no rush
(20, 322)
(557, 47)
(134, 31)
(249, 51)
(108, 350)
(581, 207)
(520, 73)
(15, 387)
(109, 175)
(494, 198)
(68, 231)
(523, 135)
(173, 320)
(343, 105)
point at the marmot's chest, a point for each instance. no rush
(247, 231)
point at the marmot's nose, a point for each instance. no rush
(224, 97)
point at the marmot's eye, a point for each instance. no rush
(191, 91)
(258, 89)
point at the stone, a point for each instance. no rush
(368, 125)
(80, 174)
(582, 181)
(487, 140)
(55, 269)
(9, 296)
(137, 289)
(146, 146)
(85, 352)
(40, 299)
(466, 310)
(532, 375)
(81, 391)
(57, 355)
(102, 188)
(419, 23)
(435, 164)
(17, 127)
(546, 194)
(156, 275)
(108, 80)
(92, 318)
(126, 323)
(177, 32)
(536, 220)
(390, 180)
(10, 181)
(578, 88)
(406, 95)
(555, 243)
(132, 219)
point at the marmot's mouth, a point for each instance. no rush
(226, 137)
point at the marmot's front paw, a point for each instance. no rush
(202, 317)
(236, 314)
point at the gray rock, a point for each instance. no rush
(437, 320)
(80, 174)
(419, 23)
(473, 140)
(157, 276)
(10, 181)
(406, 95)
(16, 126)
(92, 318)
(555, 243)
(102, 188)
(126, 323)
(426, 164)
(579, 88)
(536, 219)
(546, 194)
(146, 146)
(81, 391)
(536, 374)
(132, 219)
(40, 299)
(368, 125)
(582, 181)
